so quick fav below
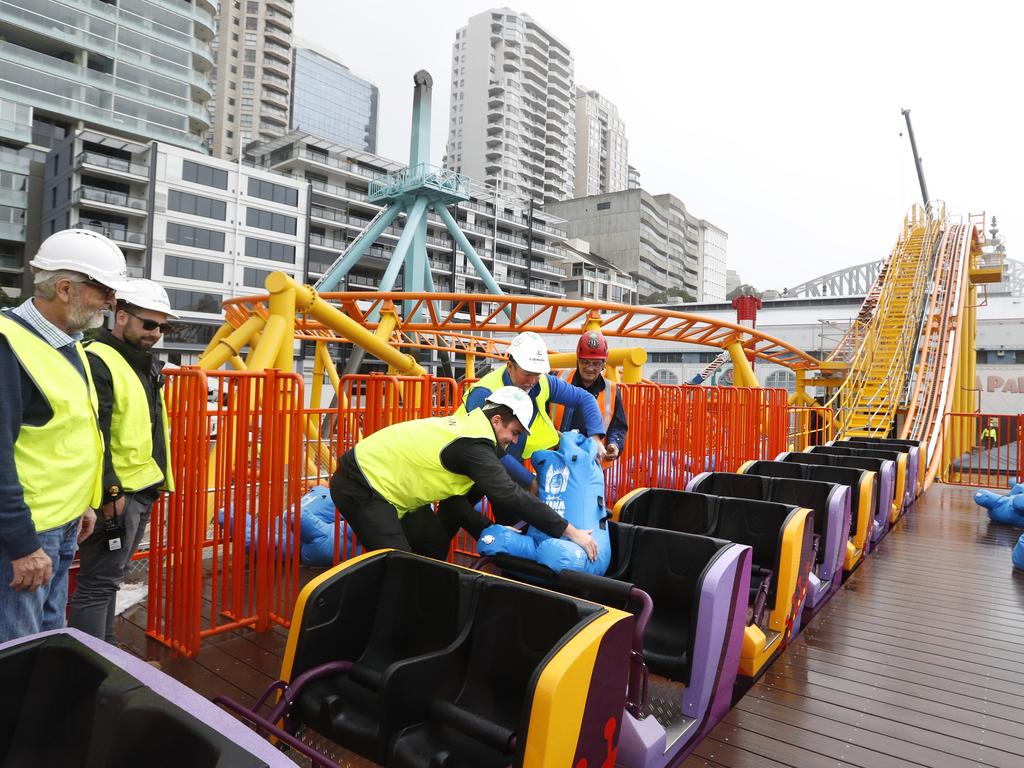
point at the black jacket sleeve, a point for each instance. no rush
(104, 384)
(478, 460)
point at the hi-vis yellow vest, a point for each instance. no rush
(131, 433)
(542, 432)
(60, 464)
(403, 462)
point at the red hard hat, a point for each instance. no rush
(592, 346)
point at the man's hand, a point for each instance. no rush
(31, 571)
(88, 524)
(113, 508)
(584, 539)
(612, 452)
(601, 450)
(534, 487)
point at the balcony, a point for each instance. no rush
(276, 36)
(12, 230)
(274, 97)
(324, 241)
(117, 234)
(119, 166)
(283, 6)
(106, 197)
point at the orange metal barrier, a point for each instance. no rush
(809, 425)
(223, 549)
(983, 449)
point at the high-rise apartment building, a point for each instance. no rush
(652, 237)
(204, 228)
(602, 152)
(512, 121)
(331, 101)
(138, 69)
(253, 76)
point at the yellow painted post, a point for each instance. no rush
(593, 321)
(222, 333)
(743, 374)
(232, 344)
(307, 300)
(238, 363)
(282, 304)
(633, 365)
(470, 366)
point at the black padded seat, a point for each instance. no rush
(838, 461)
(757, 524)
(515, 629)
(670, 567)
(812, 494)
(418, 607)
(744, 486)
(671, 510)
(774, 469)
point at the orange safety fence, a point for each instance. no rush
(243, 462)
(224, 546)
(982, 449)
(809, 425)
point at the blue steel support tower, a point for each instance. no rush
(414, 191)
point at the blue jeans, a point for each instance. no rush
(26, 613)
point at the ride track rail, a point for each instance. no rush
(452, 322)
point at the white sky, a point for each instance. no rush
(778, 122)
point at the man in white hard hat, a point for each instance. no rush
(385, 484)
(136, 456)
(51, 451)
(528, 369)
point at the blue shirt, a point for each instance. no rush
(562, 393)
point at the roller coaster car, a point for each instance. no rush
(781, 540)
(884, 485)
(830, 504)
(72, 700)
(900, 496)
(412, 662)
(861, 485)
(690, 595)
(916, 468)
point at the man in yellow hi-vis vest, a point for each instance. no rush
(136, 456)
(385, 484)
(51, 452)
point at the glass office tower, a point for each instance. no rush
(329, 101)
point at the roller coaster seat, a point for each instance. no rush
(72, 700)
(829, 502)
(913, 455)
(386, 615)
(779, 536)
(883, 485)
(445, 661)
(900, 496)
(914, 448)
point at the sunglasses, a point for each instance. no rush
(152, 325)
(105, 290)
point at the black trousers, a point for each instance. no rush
(376, 522)
(460, 512)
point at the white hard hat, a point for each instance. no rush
(518, 401)
(81, 250)
(530, 352)
(146, 294)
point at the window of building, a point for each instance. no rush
(604, 206)
(195, 237)
(252, 7)
(783, 379)
(267, 249)
(250, 38)
(248, 71)
(255, 278)
(193, 269)
(197, 205)
(278, 193)
(251, 23)
(275, 222)
(250, 54)
(194, 301)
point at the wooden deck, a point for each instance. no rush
(917, 661)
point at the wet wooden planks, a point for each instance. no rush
(915, 662)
